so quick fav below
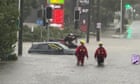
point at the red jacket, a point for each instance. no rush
(100, 52)
(81, 51)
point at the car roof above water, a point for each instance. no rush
(45, 42)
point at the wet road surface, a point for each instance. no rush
(62, 69)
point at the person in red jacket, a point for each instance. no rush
(100, 54)
(81, 52)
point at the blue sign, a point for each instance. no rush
(39, 22)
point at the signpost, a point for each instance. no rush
(84, 26)
(57, 13)
(32, 30)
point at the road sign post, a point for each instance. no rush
(98, 27)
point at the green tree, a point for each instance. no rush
(108, 7)
(8, 26)
(28, 5)
(114, 5)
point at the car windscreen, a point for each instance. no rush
(54, 46)
(58, 45)
(65, 47)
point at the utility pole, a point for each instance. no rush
(76, 15)
(121, 15)
(89, 12)
(98, 24)
(20, 28)
(44, 21)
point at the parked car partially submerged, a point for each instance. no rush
(51, 48)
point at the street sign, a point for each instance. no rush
(98, 25)
(39, 22)
(83, 27)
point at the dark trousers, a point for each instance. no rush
(80, 60)
(100, 60)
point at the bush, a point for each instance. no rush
(54, 34)
(12, 57)
(8, 27)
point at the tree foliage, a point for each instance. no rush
(114, 5)
(8, 26)
(109, 7)
(28, 5)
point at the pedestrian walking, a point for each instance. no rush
(81, 52)
(100, 54)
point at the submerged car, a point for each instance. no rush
(51, 48)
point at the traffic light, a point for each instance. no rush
(77, 15)
(128, 6)
(49, 12)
